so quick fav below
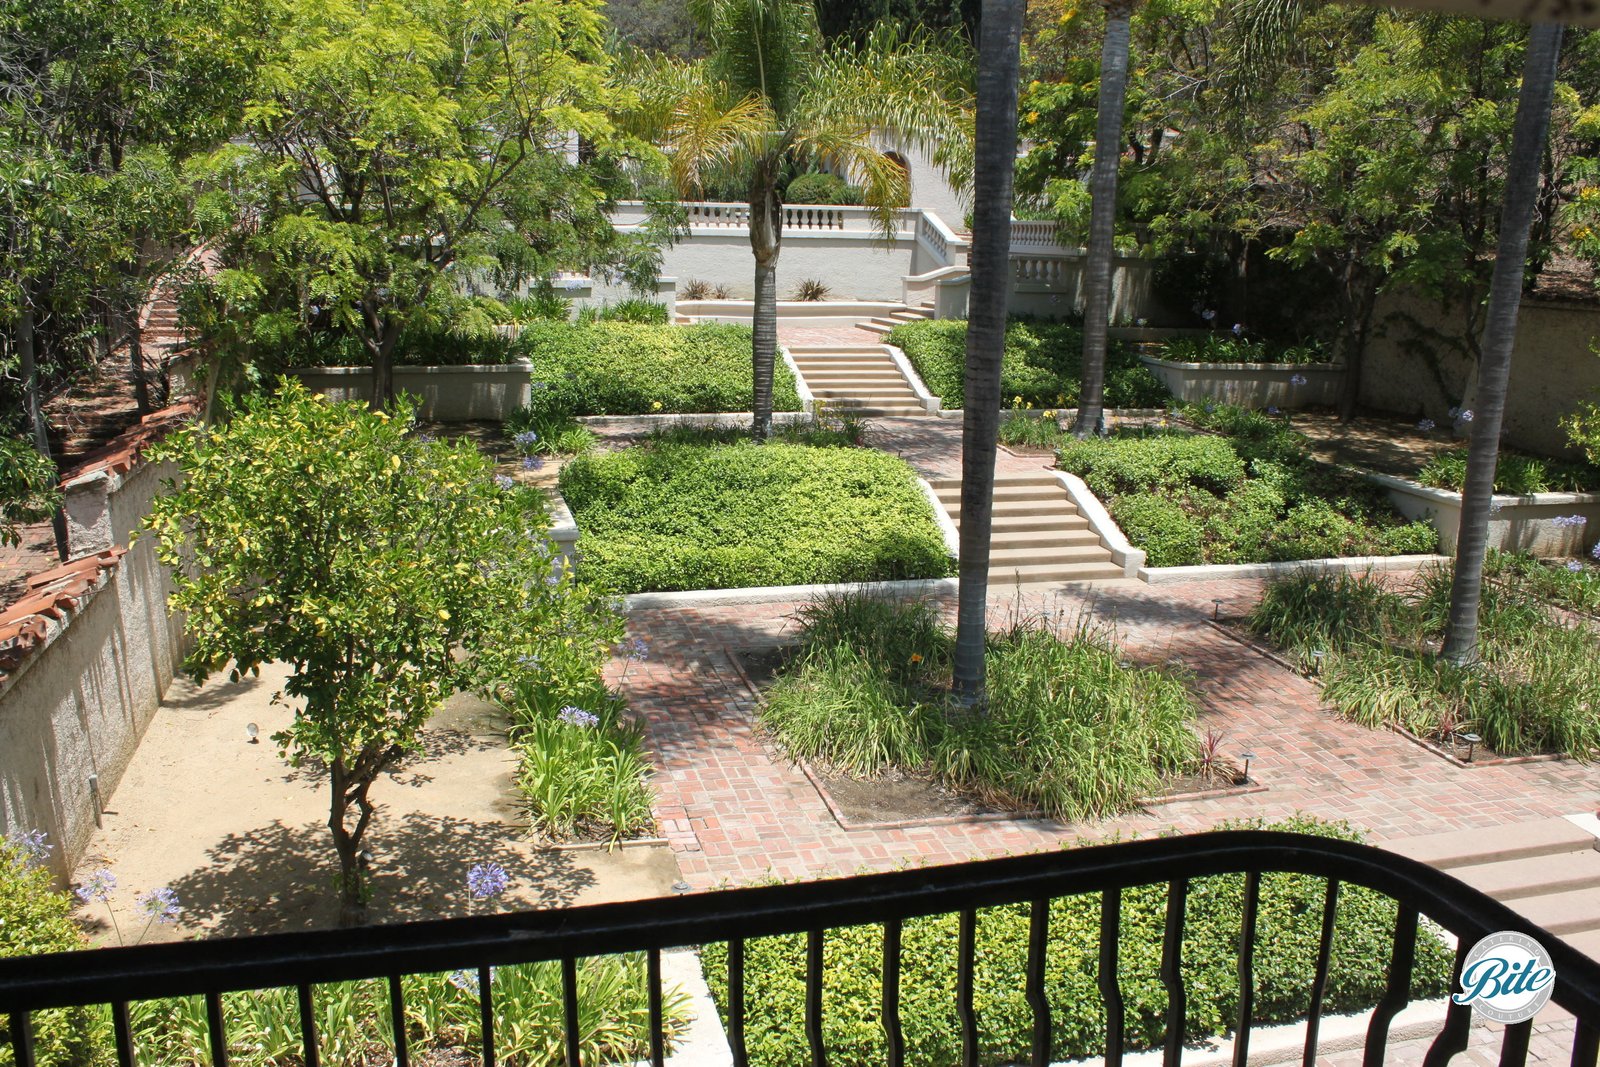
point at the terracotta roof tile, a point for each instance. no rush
(25, 625)
(121, 454)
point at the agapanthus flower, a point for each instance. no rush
(98, 886)
(1595, 551)
(1466, 416)
(487, 880)
(160, 905)
(35, 846)
(1238, 329)
(1272, 409)
(532, 463)
(1209, 315)
(1569, 521)
(634, 649)
(504, 482)
(578, 717)
(526, 438)
(1425, 425)
(1297, 379)
(1574, 566)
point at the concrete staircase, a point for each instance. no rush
(883, 324)
(859, 378)
(1038, 534)
(1547, 870)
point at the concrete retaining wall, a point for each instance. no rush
(1518, 523)
(479, 392)
(1250, 385)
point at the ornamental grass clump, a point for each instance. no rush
(1068, 730)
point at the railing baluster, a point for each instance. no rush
(1110, 987)
(1453, 1038)
(569, 1001)
(741, 1056)
(308, 1026)
(964, 962)
(658, 1052)
(1319, 981)
(22, 1038)
(1038, 944)
(1398, 993)
(1172, 973)
(397, 1015)
(819, 1051)
(122, 1034)
(892, 1033)
(1247, 976)
(216, 1031)
(1586, 1044)
(486, 1013)
(1514, 1046)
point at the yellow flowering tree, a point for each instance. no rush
(373, 561)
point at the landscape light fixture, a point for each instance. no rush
(253, 732)
(1472, 743)
(1216, 608)
(680, 887)
(1247, 757)
(1316, 661)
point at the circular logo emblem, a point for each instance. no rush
(1507, 978)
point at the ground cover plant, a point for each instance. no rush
(1226, 348)
(1045, 432)
(1515, 472)
(1246, 492)
(1536, 687)
(668, 515)
(625, 368)
(1039, 369)
(869, 692)
(1287, 937)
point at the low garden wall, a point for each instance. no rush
(1250, 385)
(1539, 524)
(88, 653)
(471, 393)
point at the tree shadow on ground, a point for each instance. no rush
(276, 877)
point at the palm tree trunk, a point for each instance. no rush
(999, 59)
(1103, 216)
(766, 238)
(1494, 366)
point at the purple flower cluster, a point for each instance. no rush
(526, 438)
(160, 905)
(1426, 425)
(1466, 416)
(1595, 551)
(1272, 409)
(98, 887)
(532, 463)
(1297, 379)
(505, 482)
(634, 649)
(1238, 329)
(1569, 521)
(578, 717)
(486, 881)
(1574, 566)
(35, 847)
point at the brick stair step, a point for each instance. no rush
(1514, 841)
(1534, 876)
(1055, 572)
(1563, 913)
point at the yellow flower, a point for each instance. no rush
(444, 615)
(655, 405)
(1016, 400)
(1033, 116)
(916, 657)
(1049, 414)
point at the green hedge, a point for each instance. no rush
(1225, 348)
(1514, 472)
(687, 516)
(1254, 495)
(1040, 367)
(35, 918)
(1287, 937)
(623, 368)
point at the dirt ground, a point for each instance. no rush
(1383, 443)
(242, 837)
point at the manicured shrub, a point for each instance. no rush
(820, 188)
(680, 516)
(36, 918)
(1170, 536)
(1514, 472)
(620, 368)
(633, 310)
(1225, 348)
(870, 692)
(1115, 465)
(1287, 938)
(28, 490)
(1040, 367)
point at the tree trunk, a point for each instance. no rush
(382, 375)
(1494, 367)
(1103, 217)
(766, 240)
(996, 155)
(1362, 308)
(33, 408)
(141, 382)
(347, 841)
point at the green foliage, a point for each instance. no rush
(28, 492)
(1024, 432)
(1225, 348)
(1575, 588)
(670, 516)
(821, 188)
(36, 918)
(869, 693)
(1536, 688)
(635, 310)
(811, 289)
(409, 554)
(1040, 366)
(619, 368)
(1250, 494)
(1514, 473)
(1287, 937)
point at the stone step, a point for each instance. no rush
(890, 389)
(1039, 476)
(1043, 540)
(1567, 912)
(1055, 522)
(1022, 491)
(1534, 876)
(1055, 572)
(850, 368)
(1026, 508)
(877, 326)
(1515, 841)
(909, 316)
(833, 378)
(876, 411)
(1087, 552)
(1586, 942)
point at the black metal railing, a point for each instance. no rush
(208, 969)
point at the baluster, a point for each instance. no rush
(1172, 972)
(819, 1052)
(1453, 1037)
(308, 1026)
(1398, 993)
(1319, 980)
(486, 1013)
(1514, 1046)
(569, 1003)
(741, 1057)
(658, 1053)
(122, 1033)
(1586, 1043)
(969, 1020)
(891, 994)
(1110, 988)
(1038, 939)
(22, 1039)
(215, 1031)
(397, 1017)
(1247, 978)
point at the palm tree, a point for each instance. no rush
(1494, 365)
(773, 97)
(1103, 214)
(999, 59)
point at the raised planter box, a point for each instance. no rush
(1250, 385)
(1516, 523)
(808, 312)
(470, 393)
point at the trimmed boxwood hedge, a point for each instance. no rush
(668, 516)
(624, 368)
(1287, 936)
(1040, 367)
